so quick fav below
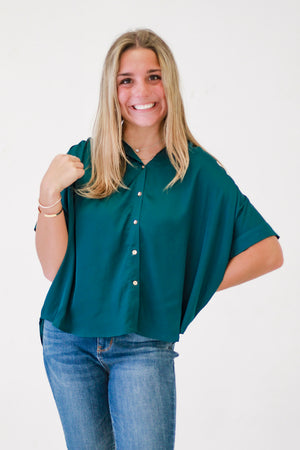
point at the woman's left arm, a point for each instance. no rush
(257, 260)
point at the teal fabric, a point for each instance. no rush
(146, 260)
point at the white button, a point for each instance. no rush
(143, 167)
(134, 252)
(139, 194)
(135, 222)
(135, 283)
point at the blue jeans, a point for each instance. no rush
(112, 392)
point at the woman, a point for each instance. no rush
(138, 227)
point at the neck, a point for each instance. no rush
(143, 138)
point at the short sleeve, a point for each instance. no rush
(249, 227)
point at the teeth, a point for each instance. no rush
(147, 106)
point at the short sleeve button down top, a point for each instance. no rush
(146, 260)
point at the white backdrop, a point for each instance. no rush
(239, 366)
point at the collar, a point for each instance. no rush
(159, 157)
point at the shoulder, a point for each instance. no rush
(208, 170)
(201, 159)
(81, 150)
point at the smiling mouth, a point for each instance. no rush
(143, 107)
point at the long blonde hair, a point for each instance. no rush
(108, 158)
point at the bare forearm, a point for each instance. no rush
(51, 232)
(51, 244)
(257, 260)
(51, 239)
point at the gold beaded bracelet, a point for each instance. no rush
(50, 215)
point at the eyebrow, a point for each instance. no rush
(127, 74)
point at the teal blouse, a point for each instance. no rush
(145, 260)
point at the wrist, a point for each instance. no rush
(48, 194)
(48, 207)
(51, 212)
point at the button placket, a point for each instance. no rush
(135, 223)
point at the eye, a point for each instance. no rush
(155, 77)
(125, 81)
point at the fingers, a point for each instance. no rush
(73, 158)
(62, 172)
(66, 157)
(80, 172)
(68, 161)
(76, 161)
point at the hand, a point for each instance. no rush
(62, 172)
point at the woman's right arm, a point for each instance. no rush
(51, 232)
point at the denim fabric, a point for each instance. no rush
(112, 392)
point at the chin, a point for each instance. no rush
(144, 123)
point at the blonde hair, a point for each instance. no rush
(108, 158)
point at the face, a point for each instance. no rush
(140, 89)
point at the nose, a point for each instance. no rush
(141, 88)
